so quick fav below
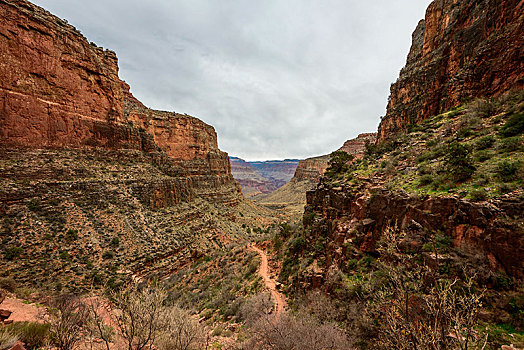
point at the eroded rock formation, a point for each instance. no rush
(362, 217)
(462, 49)
(313, 168)
(58, 90)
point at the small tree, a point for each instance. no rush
(338, 162)
(67, 317)
(459, 161)
(139, 315)
(180, 331)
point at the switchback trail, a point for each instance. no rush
(263, 271)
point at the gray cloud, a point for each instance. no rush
(276, 78)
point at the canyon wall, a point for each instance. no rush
(313, 168)
(60, 91)
(461, 50)
(362, 217)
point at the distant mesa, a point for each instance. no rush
(262, 177)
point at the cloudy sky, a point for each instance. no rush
(276, 78)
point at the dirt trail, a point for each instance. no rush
(263, 271)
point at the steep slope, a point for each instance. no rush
(291, 197)
(462, 49)
(437, 201)
(94, 186)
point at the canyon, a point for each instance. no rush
(90, 177)
(262, 177)
(98, 191)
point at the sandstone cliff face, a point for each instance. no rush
(60, 91)
(55, 86)
(363, 216)
(314, 168)
(462, 49)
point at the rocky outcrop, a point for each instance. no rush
(314, 168)
(489, 229)
(56, 89)
(311, 168)
(60, 91)
(462, 49)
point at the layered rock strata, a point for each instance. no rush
(59, 91)
(462, 49)
(314, 168)
(361, 217)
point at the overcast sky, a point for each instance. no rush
(276, 78)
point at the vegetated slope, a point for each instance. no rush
(94, 186)
(441, 204)
(422, 237)
(291, 198)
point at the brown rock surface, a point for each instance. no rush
(314, 168)
(476, 227)
(55, 86)
(462, 49)
(58, 90)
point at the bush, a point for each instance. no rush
(510, 144)
(33, 334)
(479, 195)
(338, 162)
(507, 171)
(481, 108)
(485, 142)
(13, 253)
(513, 126)
(425, 180)
(8, 284)
(7, 339)
(482, 156)
(108, 254)
(458, 161)
(297, 245)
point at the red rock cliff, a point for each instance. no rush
(462, 49)
(54, 86)
(58, 90)
(314, 168)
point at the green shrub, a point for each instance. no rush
(338, 162)
(33, 334)
(309, 217)
(458, 161)
(13, 253)
(425, 180)
(8, 283)
(72, 235)
(482, 156)
(513, 126)
(479, 195)
(485, 142)
(507, 171)
(297, 245)
(64, 255)
(510, 144)
(108, 254)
